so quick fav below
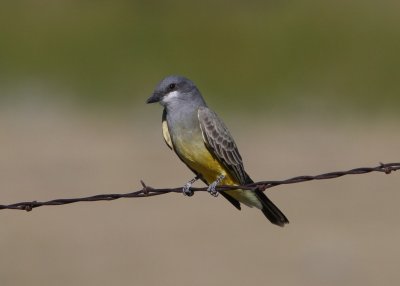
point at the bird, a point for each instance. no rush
(202, 141)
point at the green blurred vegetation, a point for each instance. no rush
(263, 55)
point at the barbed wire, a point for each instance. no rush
(147, 191)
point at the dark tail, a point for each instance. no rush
(270, 210)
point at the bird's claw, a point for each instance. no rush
(186, 189)
(211, 188)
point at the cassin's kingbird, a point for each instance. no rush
(202, 141)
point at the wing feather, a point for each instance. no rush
(218, 139)
(165, 131)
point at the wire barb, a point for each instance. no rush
(147, 191)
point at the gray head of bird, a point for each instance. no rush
(176, 90)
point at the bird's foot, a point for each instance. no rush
(211, 188)
(186, 190)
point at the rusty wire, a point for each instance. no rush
(147, 191)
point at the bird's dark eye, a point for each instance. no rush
(172, 86)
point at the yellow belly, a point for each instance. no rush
(199, 159)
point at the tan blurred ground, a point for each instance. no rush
(342, 232)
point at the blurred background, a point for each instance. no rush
(305, 87)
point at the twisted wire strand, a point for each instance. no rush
(147, 191)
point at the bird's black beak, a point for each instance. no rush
(155, 97)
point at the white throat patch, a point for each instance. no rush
(170, 96)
